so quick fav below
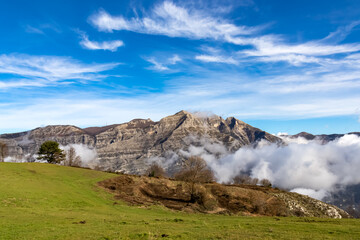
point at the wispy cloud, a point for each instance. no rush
(174, 59)
(216, 59)
(31, 29)
(172, 20)
(164, 64)
(105, 45)
(49, 69)
(223, 98)
(42, 28)
(21, 84)
(341, 33)
(156, 65)
(270, 46)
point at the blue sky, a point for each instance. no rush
(283, 66)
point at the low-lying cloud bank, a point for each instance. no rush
(307, 167)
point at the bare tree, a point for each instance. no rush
(246, 179)
(195, 170)
(72, 159)
(4, 151)
(242, 179)
(155, 170)
(265, 182)
(255, 181)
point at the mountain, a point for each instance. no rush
(128, 147)
(324, 138)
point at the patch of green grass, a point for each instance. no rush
(43, 201)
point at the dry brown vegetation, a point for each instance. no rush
(155, 170)
(246, 179)
(211, 197)
(195, 170)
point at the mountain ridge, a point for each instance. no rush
(128, 146)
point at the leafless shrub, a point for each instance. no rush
(265, 182)
(4, 151)
(72, 159)
(246, 179)
(195, 170)
(242, 179)
(255, 181)
(155, 170)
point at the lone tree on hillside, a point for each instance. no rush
(3, 151)
(155, 170)
(51, 152)
(195, 170)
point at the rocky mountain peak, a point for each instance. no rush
(55, 130)
(305, 135)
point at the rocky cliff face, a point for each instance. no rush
(128, 147)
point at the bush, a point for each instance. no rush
(155, 170)
(246, 179)
(242, 179)
(195, 170)
(265, 182)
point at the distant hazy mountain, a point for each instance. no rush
(325, 138)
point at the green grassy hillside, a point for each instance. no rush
(43, 201)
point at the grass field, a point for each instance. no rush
(43, 201)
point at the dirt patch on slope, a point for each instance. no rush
(217, 198)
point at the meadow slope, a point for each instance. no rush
(43, 201)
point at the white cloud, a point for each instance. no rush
(31, 29)
(310, 168)
(41, 69)
(175, 59)
(341, 33)
(106, 45)
(164, 64)
(269, 47)
(225, 98)
(157, 65)
(294, 59)
(42, 28)
(21, 84)
(216, 59)
(171, 20)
